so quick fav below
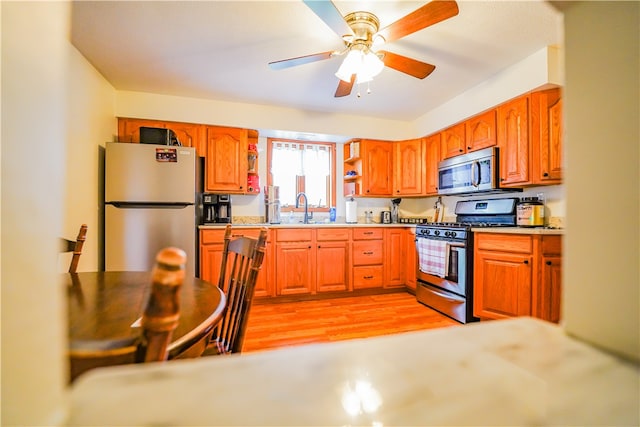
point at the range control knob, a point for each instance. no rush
(437, 232)
(450, 233)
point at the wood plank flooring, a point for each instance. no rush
(294, 323)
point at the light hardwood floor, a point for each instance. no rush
(294, 323)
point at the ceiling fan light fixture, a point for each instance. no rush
(364, 65)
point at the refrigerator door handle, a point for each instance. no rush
(142, 205)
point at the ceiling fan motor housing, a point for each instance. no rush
(364, 26)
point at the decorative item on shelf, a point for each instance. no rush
(253, 184)
(354, 149)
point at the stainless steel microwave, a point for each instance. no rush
(472, 173)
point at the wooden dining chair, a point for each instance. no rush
(75, 246)
(162, 311)
(159, 319)
(241, 262)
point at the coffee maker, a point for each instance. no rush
(216, 208)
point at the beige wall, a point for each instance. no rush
(56, 111)
(602, 274)
(34, 112)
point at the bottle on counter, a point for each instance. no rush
(332, 214)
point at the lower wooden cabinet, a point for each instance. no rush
(410, 258)
(211, 245)
(314, 261)
(513, 276)
(368, 258)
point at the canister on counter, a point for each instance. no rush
(530, 212)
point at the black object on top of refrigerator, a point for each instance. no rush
(151, 198)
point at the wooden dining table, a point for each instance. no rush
(104, 312)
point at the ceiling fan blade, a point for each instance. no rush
(429, 14)
(407, 65)
(329, 13)
(292, 62)
(344, 88)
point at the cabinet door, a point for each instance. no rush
(551, 289)
(210, 260)
(332, 266)
(410, 257)
(190, 135)
(513, 140)
(295, 265)
(226, 165)
(408, 173)
(394, 266)
(480, 131)
(432, 149)
(502, 285)
(546, 136)
(377, 158)
(453, 141)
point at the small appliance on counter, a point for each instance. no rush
(530, 212)
(395, 210)
(272, 204)
(385, 217)
(216, 207)
(351, 211)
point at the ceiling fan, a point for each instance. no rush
(360, 33)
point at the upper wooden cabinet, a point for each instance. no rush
(409, 168)
(546, 136)
(189, 134)
(513, 140)
(432, 150)
(372, 164)
(453, 141)
(226, 164)
(480, 131)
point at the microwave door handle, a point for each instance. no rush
(475, 173)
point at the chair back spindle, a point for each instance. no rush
(162, 312)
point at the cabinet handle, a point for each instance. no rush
(545, 174)
(461, 150)
(548, 263)
(368, 277)
(309, 247)
(468, 148)
(319, 246)
(526, 261)
(368, 253)
(368, 232)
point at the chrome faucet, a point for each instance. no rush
(306, 207)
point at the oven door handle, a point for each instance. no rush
(475, 173)
(446, 296)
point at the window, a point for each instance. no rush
(302, 166)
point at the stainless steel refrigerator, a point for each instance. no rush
(151, 194)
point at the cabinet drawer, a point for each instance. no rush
(551, 245)
(367, 233)
(324, 235)
(367, 277)
(294, 235)
(504, 242)
(367, 252)
(208, 237)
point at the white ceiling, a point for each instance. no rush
(220, 50)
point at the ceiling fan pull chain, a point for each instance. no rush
(368, 88)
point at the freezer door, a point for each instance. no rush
(133, 236)
(149, 173)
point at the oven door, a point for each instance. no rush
(447, 303)
(456, 271)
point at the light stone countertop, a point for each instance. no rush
(521, 371)
(519, 230)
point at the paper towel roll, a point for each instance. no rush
(352, 211)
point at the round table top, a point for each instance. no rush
(104, 309)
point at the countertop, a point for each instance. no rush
(521, 371)
(507, 230)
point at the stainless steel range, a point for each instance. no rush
(445, 255)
